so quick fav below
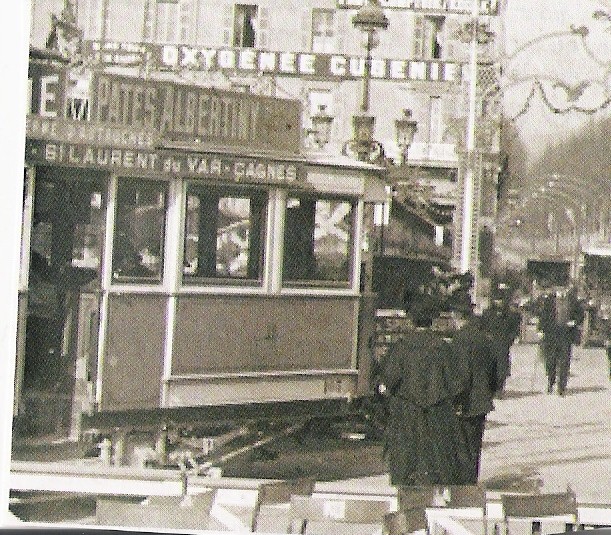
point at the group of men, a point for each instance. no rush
(440, 390)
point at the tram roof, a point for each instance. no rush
(597, 251)
(335, 160)
(310, 158)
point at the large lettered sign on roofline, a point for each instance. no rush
(254, 62)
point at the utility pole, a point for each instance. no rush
(467, 228)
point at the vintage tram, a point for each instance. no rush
(163, 271)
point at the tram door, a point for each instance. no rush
(63, 297)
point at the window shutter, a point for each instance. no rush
(338, 34)
(418, 36)
(306, 30)
(451, 33)
(227, 24)
(264, 34)
(187, 18)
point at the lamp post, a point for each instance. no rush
(369, 19)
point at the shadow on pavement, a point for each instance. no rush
(514, 394)
(584, 389)
(522, 482)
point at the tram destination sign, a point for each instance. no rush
(197, 114)
(254, 62)
(164, 162)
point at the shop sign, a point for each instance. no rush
(88, 132)
(304, 64)
(198, 114)
(487, 7)
(46, 90)
(253, 62)
(193, 165)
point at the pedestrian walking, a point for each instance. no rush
(477, 353)
(559, 320)
(422, 381)
(502, 322)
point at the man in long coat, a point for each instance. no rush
(502, 323)
(422, 381)
(477, 354)
(560, 316)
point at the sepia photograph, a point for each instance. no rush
(327, 267)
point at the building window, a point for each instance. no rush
(428, 37)
(224, 233)
(167, 21)
(173, 21)
(244, 25)
(318, 240)
(323, 33)
(139, 230)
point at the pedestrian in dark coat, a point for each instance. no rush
(559, 318)
(476, 352)
(502, 323)
(422, 381)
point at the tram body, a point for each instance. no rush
(181, 275)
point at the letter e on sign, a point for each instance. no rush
(48, 95)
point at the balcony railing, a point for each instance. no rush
(442, 152)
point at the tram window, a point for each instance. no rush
(68, 222)
(139, 230)
(318, 240)
(224, 234)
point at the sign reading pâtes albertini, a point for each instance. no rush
(173, 163)
(195, 113)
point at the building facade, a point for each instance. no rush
(311, 51)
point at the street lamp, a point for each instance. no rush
(405, 128)
(321, 127)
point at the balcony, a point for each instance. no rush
(442, 154)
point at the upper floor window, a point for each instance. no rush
(429, 37)
(224, 233)
(245, 25)
(323, 30)
(318, 240)
(173, 21)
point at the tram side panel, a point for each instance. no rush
(133, 364)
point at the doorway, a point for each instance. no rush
(66, 247)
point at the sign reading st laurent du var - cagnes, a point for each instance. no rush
(194, 113)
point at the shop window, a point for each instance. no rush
(139, 230)
(323, 33)
(318, 240)
(244, 25)
(224, 233)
